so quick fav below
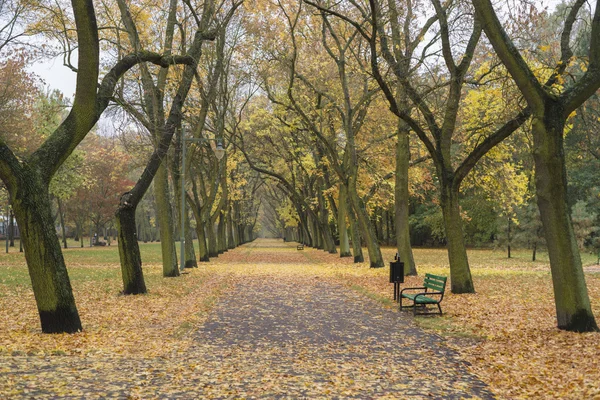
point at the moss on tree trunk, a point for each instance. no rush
(401, 200)
(460, 273)
(45, 262)
(211, 239)
(165, 217)
(368, 233)
(129, 251)
(573, 310)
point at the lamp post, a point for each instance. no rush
(219, 153)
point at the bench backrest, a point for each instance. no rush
(435, 282)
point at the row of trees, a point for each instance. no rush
(151, 88)
(474, 109)
(344, 124)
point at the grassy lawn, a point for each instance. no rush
(507, 330)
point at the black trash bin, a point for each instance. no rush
(396, 275)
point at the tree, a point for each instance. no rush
(28, 179)
(437, 100)
(528, 231)
(166, 125)
(28, 182)
(551, 104)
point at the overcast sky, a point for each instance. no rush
(56, 75)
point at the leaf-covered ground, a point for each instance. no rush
(265, 320)
(516, 348)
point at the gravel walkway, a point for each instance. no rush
(291, 337)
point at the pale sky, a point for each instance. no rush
(56, 75)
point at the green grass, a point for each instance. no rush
(83, 264)
(101, 263)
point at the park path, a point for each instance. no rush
(289, 336)
(283, 329)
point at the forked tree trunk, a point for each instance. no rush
(550, 111)
(129, 250)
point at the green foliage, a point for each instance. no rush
(481, 224)
(584, 224)
(529, 232)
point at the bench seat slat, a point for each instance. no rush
(421, 299)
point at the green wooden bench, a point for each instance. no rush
(432, 292)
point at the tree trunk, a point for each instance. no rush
(62, 222)
(508, 238)
(190, 256)
(328, 241)
(378, 219)
(235, 226)
(165, 222)
(212, 239)
(341, 220)
(202, 248)
(221, 236)
(355, 233)
(231, 242)
(45, 262)
(190, 253)
(368, 233)
(11, 228)
(129, 250)
(315, 232)
(573, 310)
(460, 273)
(401, 200)
(306, 237)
